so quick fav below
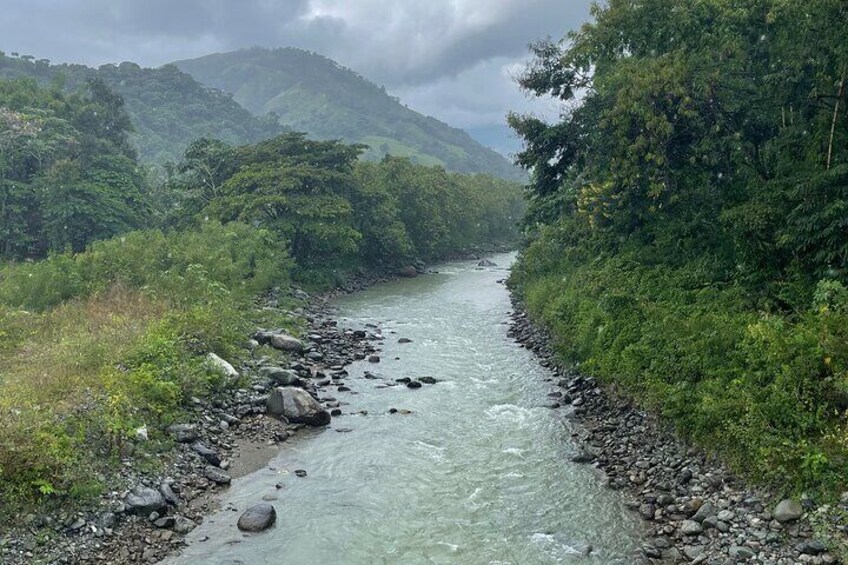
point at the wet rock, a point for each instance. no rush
(404, 340)
(413, 384)
(300, 473)
(143, 500)
(486, 263)
(788, 511)
(257, 518)
(408, 272)
(217, 476)
(373, 358)
(582, 456)
(428, 380)
(298, 406)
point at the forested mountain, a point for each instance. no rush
(316, 95)
(168, 108)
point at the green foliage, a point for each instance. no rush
(687, 222)
(67, 173)
(313, 94)
(336, 213)
(115, 338)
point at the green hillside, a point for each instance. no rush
(167, 107)
(314, 94)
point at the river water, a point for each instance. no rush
(477, 473)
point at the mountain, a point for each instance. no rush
(168, 108)
(314, 94)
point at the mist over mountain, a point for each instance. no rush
(314, 94)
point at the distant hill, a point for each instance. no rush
(314, 94)
(168, 107)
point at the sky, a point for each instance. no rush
(452, 59)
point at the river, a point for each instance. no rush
(477, 473)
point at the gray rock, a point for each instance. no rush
(486, 263)
(257, 518)
(297, 406)
(143, 500)
(183, 433)
(217, 476)
(788, 510)
(183, 525)
(706, 510)
(168, 494)
(690, 527)
(285, 342)
(209, 455)
(741, 552)
(282, 377)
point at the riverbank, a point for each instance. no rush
(697, 510)
(221, 438)
(149, 507)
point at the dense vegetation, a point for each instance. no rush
(167, 108)
(688, 227)
(115, 287)
(314, 94)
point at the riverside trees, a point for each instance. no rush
(689, 225)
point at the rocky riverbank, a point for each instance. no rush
(151, 505)
(696, 510)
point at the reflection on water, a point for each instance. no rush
(477, 473)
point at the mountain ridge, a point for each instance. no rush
(313, 93)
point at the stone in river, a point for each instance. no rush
(374, 359)
(257, 518)
(428, 380)
(404, 340)
(413, 384)
(300, 473)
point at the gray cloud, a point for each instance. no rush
(447, 58)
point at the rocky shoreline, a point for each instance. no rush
(145, 515)
(695, 510)
(149, 508)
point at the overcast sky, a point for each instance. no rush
(452, 59)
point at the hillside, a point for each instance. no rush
(314, 94)
(167, 107)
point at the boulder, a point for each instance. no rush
(285, 342)
(297, 406)
(143, 500)
(788, 510)
(408, 272)
(257, 518)
(486, 263)
(221, 366)
(283, 377)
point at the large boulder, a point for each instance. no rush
(257, 518)
(285, 342)
(408, 272)
(282, 377)
(297, 406)
(144, 500)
